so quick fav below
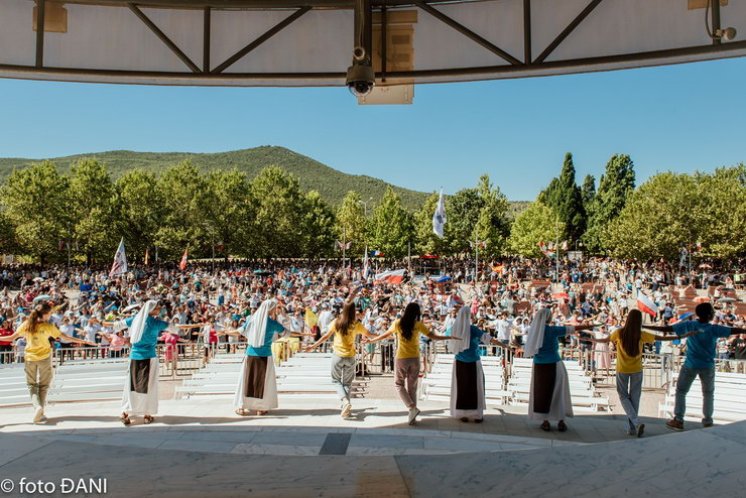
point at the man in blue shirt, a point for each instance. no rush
(700, 361)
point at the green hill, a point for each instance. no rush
(313, 175)
(330, 183)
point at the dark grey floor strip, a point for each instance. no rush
(335, 444)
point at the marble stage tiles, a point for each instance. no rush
(694, 463)
(198, 449)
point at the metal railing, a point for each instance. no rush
(175, 361)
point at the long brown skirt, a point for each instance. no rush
(467, 397)
(544, 377)
(139, 376)
(256, 372)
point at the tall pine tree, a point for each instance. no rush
(614, 189)
(564, 196)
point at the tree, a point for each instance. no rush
(35, 202)
(391, 226)
(565, 197)
(660, 217)
(351, 223)
(278, 223)
(588, 193)
(538, 223)
(426, 240)
(229, 210)
(318, 227)
(492, 223)
(462, 213)
(140, 207)
(722, 211)
(184, 200)
(617, 184)
(94, 214)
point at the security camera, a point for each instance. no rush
(726, 34)
(360, 79)
(358, 54)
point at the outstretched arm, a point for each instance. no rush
(321, 341)
(69, 338)
(385, 335)
(590, 338)
(436, 337)
(659, 328)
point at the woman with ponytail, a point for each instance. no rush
(38, 331)
(407, 368)
(344, 329)
(629, 342)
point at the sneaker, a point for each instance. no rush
(347, 410)
(640, 430)
(39, 415)
(413, 412)
(707, 424)
(675, 425)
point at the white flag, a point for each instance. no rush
(439, 218)
(120, 261)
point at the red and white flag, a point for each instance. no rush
(646, 305)
(183, 263)
(391, 276)
(120, 261)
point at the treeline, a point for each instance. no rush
(702, 213)
(46, 213)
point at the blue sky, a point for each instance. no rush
(681, 118)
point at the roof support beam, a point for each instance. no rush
(263, 38)
(40, 4)
(715, 6)
(566, 32)
(206, 40)
(527, 31)
(655, 57)
(467, 32)
(165, 39)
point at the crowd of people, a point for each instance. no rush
(510, 305)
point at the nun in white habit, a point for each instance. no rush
(140, 394)
(257, 384)
(549, 399)
(467, 379)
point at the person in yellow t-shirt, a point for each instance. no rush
(629, 341)
(407, 369)
(344, 329)
(38, 332)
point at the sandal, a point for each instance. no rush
(478, 420)
(464, 419)
(562, 426)
(261, 412)
(546, 427)
(148, 419)
(242, 412)
(125, 419)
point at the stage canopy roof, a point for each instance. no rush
(310, 42)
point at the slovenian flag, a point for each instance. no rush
(439, 279)
(439, 217)
(391, 276)
(120, 261)
(646, 305)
